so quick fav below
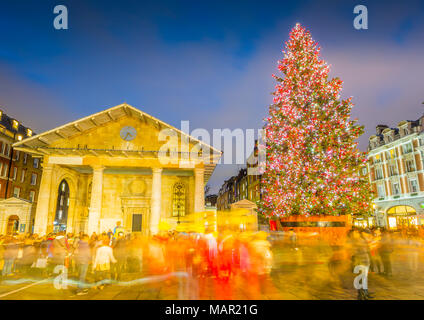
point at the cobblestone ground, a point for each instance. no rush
(302, 274)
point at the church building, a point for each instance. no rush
(120, 164)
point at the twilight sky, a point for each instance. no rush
(209, 62)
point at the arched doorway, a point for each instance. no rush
(12, 224)
(62, 206)
(402, 217)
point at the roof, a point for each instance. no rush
(6, 122)
(38, 144)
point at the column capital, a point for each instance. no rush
(157, 170)
(47, 166)
(199, 170)
(97, 167)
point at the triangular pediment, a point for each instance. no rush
(105, 122)
(122, 130)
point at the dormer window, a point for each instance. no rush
(15, 124)
(406, 131)
(29, 132)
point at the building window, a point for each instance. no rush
(29, 132)
(1, 168)
(395, 188)
(179, 199)
(392, 170)
(16, 192)
(381, 191)
(15, 124)
(410, 165)
(15, 173)
(32, 195)
(25, 158)
(6, 150)
(407, 148)
(62, 206)
(413, 185)
(405, 131)
(36, 163)
(33, 179)
(6, 167)
(378, 173)
(23, 175)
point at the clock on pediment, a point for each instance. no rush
(128, 133)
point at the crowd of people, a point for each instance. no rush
(97, 260)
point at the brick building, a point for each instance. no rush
(396, 171)
(20, 176)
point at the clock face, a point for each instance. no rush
(128, 133)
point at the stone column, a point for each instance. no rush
(96, 200)
(155, 203)
(199, 190)
(43, 201)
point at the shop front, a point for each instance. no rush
(363, 222)
(401, 217)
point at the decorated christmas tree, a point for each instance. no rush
(313, 163)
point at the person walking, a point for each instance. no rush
(120, 253)
(102, 263)
(386, 249)
(82, 259)
(361, 258)
(9, 255)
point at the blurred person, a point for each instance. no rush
(293, 239)
(110, 234)
(118, 228)
(385, 250)
(261, 263)
(60, 249)
(9, 255)
(375, 243)
(28, 256)
(135, 254)
(102, 263)
(82, 260)
(361, 257)
(157, 256)
(120, 253)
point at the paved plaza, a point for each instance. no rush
(296, 275)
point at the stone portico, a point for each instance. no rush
(114, 166)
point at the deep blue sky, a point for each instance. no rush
(209, 62)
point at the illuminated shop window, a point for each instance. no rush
(392, 222)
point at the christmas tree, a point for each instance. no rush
(313, 164)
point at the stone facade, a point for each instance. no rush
(20, 176)
(396, 172)
(111, 178)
